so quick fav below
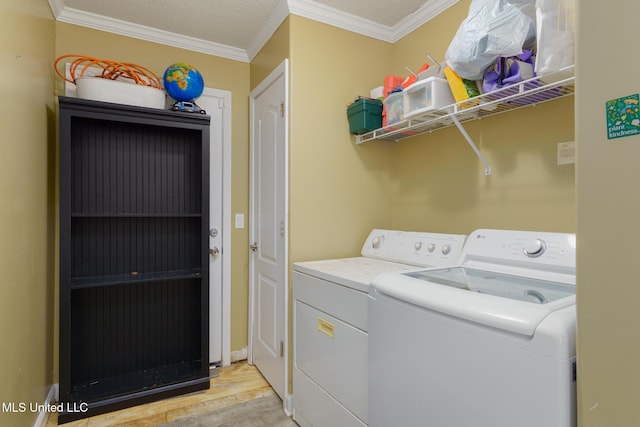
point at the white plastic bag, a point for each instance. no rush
(556, 38)
(492, 28)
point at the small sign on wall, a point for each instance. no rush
(623, 117)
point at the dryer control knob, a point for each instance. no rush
(431, 247)
(418, 246)
(446, 249)
(377, 241)
(534, 249)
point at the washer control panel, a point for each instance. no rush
(415, 248)
(527, 249)
(534, 248)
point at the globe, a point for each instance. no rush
(183, 82)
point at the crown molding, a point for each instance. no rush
(276, 18)
(304, 8)
(427, 12)
(57, 6)
(356, 24)
(116, 26)
(321, 13)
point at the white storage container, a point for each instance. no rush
(119, 92)
(426, 95)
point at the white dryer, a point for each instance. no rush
(489, 342)
(330, 322)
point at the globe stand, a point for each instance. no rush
(187, 107)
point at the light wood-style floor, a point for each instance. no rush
(235, 384)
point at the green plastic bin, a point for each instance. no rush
(364, 116)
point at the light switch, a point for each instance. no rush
(239, 220)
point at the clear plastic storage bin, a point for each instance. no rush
(393, 108)
(426, 95)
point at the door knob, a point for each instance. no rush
(214, 251)
(254, 247)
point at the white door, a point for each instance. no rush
(268, 229)
(217, 103)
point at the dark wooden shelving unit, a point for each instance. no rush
(134, 280)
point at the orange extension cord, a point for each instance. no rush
(110, 70)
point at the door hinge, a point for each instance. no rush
(281, 348)
(281, 108)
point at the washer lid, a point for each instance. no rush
(512, 303)
(525, 289)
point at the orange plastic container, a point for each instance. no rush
(391, 83)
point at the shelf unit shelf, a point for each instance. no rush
(516, 96)
(122, 386)
(134, 259)
(133, 215)
(133, 278)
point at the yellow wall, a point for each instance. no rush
(608, 226)
(27, 219)
(271, 55)
(219, 73)
(338, 191)
(439, 183)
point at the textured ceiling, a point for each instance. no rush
(229, 22)
(238, 24)
(379, 11)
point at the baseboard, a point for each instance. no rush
(238, 355)
(43, 415)
(288, 405)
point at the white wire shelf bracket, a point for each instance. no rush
(487, 166)
(519, 95)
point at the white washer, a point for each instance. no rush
(487, 343)
(331, 320)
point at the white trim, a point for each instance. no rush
(288, 405)
(426, 13)
(220, 278)
(238, 355)
(305, 8)
(277, 17)
(226, 227)
(285, 69)
(128, 29)
(57, 7)
(250, 304)
(43, 416)
(328, 15)
(280, 70)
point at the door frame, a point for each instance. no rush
(225, 290)
(282, 70)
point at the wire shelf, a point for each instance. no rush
(524, 94)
